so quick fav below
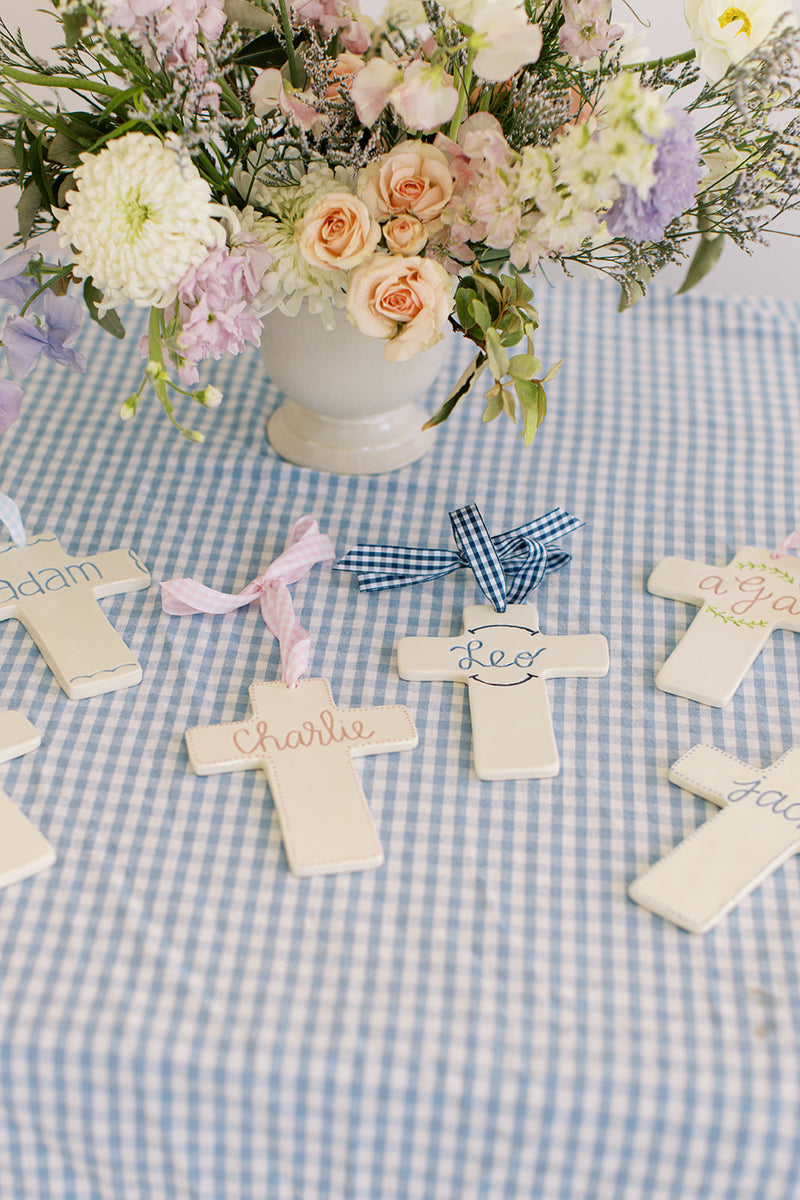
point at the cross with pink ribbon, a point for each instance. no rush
(307, 547)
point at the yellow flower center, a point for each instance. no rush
(736, 14)
(136, 213)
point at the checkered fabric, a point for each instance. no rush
(487, 1016)
(522, 552)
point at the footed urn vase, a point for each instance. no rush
(345, 409)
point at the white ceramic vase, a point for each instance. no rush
(346, 409)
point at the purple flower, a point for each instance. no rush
(10, 403)
(25, 341)
(15, 286)
(677, 173)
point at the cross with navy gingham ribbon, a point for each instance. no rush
(523, 554)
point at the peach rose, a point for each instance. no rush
(337, 232)
(405, 235)
(343, 72)
(413, 178)
(405, 300)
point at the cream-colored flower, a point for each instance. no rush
(505, 40)
(405, 235)
(414, 178)
(337, 232)
(406, 300)
(140, 219)
(725, 33)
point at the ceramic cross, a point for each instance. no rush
(741, 604)
(706, 875)
(304, 744)
(504, 659)
(55, 597)
(23, 850)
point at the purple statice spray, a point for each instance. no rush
(677, 171)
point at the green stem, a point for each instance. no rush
(685, 56)
(463, 94)
(62, 273)
(66, 81)
(294, 70)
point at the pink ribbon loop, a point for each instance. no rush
(306, 547)
(790, 542)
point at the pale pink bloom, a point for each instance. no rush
(587, 28)
(371, 88)
(170, 27)
(426, 98)
(406, 300)
(213, 307)
(337, 232)
(504, 39)
(335, 16)
(269, 91)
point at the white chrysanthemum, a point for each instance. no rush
(284, 207)
(140, 219)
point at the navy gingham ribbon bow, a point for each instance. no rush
(524, 554)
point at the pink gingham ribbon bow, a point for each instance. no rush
(307, 547)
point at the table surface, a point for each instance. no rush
(487, 1015)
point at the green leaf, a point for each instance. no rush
(551, 374)
(8, 159)
(109, 321)
(706, 257)
(496, 353)
(73, 23)
(461, 389)
(494, 405)
(509, 403)
(480, 314)
(63, 150)
(524, 366)
(635, 290)
(248, 16)
(534, 406)
(28, 206)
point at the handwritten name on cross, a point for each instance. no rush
(55, 597)
(23, 850)
(741, 604)
(504, 659)
(707, 875)
(305, 745)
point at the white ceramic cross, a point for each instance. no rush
(504, 659)
(23, 850)
(741, 605)
(707, 875)
(55, 598)
(304, 744)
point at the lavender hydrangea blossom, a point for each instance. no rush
(677, 170)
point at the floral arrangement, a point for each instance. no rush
(213, 160)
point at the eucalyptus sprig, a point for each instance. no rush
(496, 315)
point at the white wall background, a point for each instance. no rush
(774, 270)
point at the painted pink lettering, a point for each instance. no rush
(713, 583)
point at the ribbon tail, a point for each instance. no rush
(293, 639)
(475, 542)
(12, 519)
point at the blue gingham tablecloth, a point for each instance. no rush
(487, 1016)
